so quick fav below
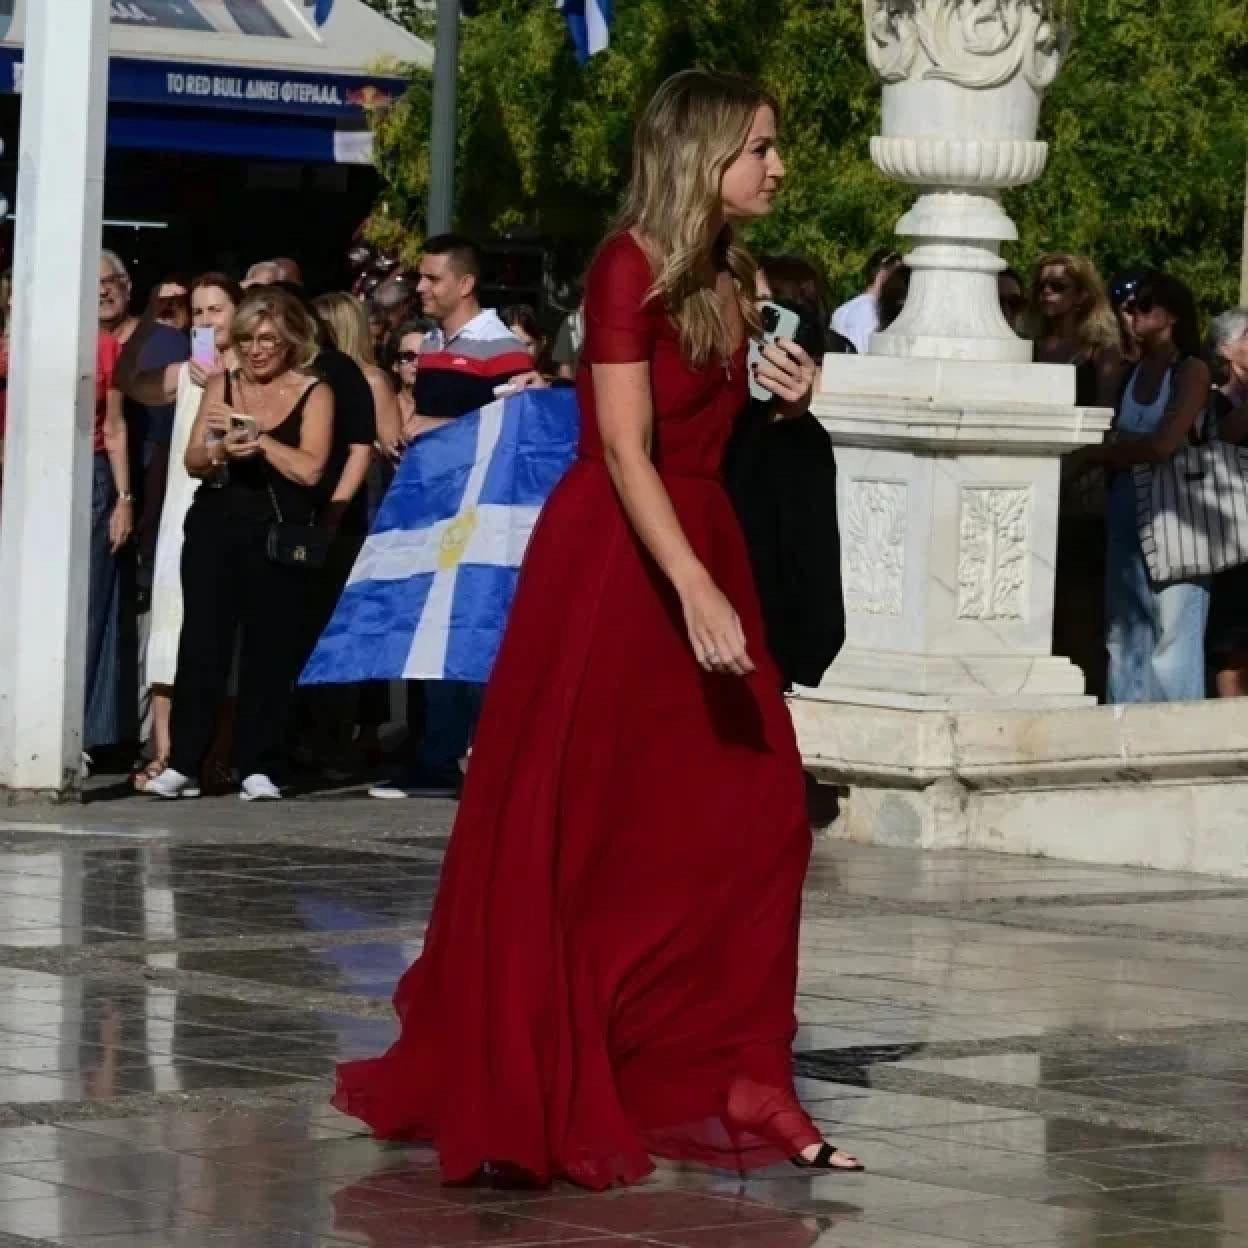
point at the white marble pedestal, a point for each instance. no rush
(948, 516)
(947, 715)
(1162, 786)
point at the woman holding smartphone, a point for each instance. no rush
(214, 299)
(610, 969)
(259, 446)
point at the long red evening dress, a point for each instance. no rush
(610, 969)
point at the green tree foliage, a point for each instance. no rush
(1148, 138)
(1146, 123)
(416, 15)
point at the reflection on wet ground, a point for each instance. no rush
(1025, 1052)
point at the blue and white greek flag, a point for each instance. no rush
(429, 595)
(589, 22)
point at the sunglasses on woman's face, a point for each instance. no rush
(1138, 305)
(1054, 286)
(407, 357)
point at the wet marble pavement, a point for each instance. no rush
(1024, 1052)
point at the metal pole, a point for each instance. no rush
(44, 535)
(442, 132)
(1243, 261)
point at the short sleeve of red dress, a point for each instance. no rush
(620, 323)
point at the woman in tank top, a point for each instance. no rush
(1155, 634)
(260, 444)
(1070, 319)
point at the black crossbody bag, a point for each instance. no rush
(294, 545)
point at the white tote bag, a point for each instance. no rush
(1192, 511)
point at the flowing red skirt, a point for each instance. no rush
(610, 970)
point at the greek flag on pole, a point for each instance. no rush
(430, 592)
(589, 22)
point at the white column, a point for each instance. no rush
(948, 437)
(44, 530)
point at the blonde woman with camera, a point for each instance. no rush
(259, 445)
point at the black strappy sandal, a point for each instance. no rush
(822, 1161)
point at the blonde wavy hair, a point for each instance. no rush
(696, 125)
(1096, 325)
(344, 316)
(293, 323)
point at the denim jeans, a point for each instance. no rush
(1155, 636)
(451, 710)
(102, 692)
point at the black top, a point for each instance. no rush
(355, 424)
(781, 476)
(1087, 383)
(246, 490)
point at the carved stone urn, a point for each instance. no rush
(948, 437)
(963, 82)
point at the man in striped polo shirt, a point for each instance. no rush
(463, 364)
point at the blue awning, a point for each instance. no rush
(266, 79)
(309, 141)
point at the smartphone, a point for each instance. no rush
(240, 423)
(778, 322)
(204, 346)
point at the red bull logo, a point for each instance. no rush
(369, 97)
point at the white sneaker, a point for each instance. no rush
(257, 787)
(169, 784)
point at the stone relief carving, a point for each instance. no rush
(992, 553)
(974, 43)
(873, 526)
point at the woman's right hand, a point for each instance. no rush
(217, 417)
(241, 445)
(715, 630)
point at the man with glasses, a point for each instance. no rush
(115, 290)
(858, 319)
(124, 714)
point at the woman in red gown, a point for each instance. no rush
(610, 969)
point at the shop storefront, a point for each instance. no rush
(237, 129)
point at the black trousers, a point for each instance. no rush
(231, 589)
(325, 715)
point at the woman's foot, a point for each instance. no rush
(774, 1113)
(143, 776)
(171, 784)
(257, 787)
(826, 1157)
